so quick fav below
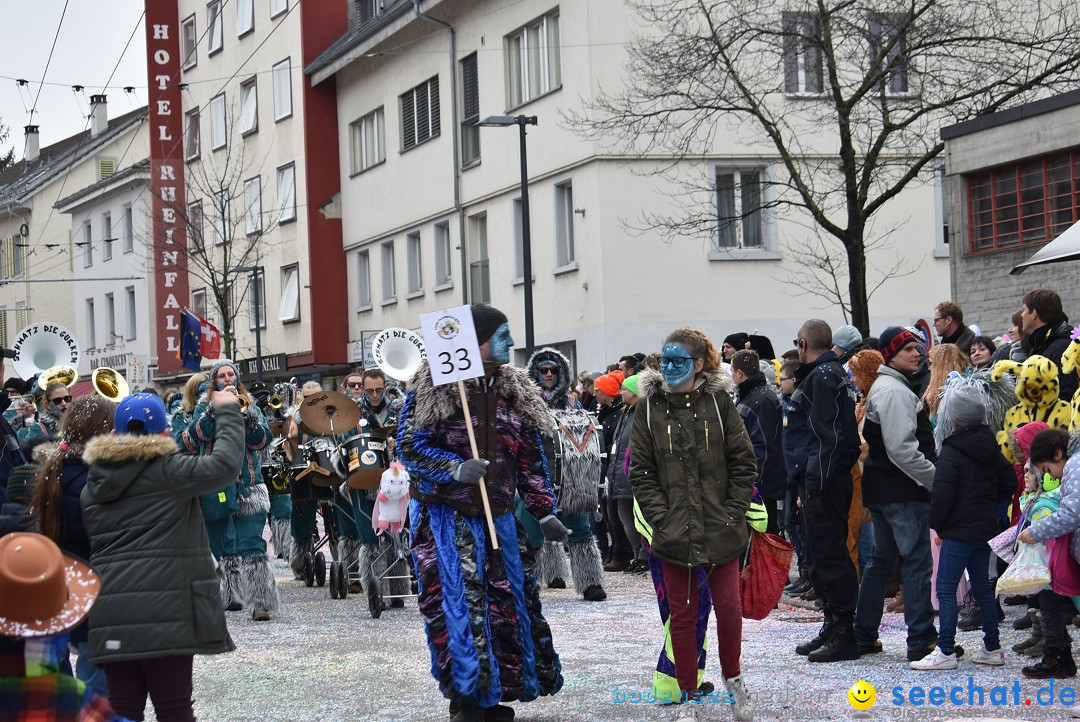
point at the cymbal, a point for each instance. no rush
(328, 412)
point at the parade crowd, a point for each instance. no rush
(936, 471)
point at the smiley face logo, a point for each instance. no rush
(862, 695)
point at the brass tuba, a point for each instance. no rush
(110, 384)
(67, 375)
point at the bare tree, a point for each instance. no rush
(228, 227)
(6, 159)
(845, 98)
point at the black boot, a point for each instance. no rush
(969, 619)
(1055, 663)
(822, 636)
(841, 646)
(1035, 637)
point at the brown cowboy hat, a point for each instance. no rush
(42, 591)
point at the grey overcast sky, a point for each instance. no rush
(92, 37)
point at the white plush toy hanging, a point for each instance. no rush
(393, 500)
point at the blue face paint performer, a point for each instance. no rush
(692, 468)
(488, 638)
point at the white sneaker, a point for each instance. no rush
(994, 659)
(1075, 711)
(741, 703)
(690, 712)
(935, 660)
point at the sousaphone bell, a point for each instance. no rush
(398, 352)
(109, 383)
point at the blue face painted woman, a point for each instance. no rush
(501, 343)
(676, 364)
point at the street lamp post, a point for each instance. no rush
(526, 236)
(255, 271)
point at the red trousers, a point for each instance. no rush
(723, 584)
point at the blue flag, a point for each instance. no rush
(190, 358)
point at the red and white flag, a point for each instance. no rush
(210, 341)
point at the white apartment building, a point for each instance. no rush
(39, 257)
(431, 204)
(251, 119)
(111, 295)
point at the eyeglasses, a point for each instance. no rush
(676, 362)
(60, 400)
(787, 378)
(354, 384)
(548, 371)
(940, 318)
(375, 391)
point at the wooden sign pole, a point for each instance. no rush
(476, 455)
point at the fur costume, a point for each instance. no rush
(576, 455)
(551, 563)
(1037, 392)
(482, 614)
(229, 576)
(297, 549)
(257, 587)
(997, 397)
(281, 537)
(1070, 364)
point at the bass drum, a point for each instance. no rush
(323, 454)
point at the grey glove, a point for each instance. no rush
(553, 529)
(471, 471)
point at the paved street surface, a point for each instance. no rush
(325, 659)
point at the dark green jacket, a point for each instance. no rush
(692, 467)
(159, 587)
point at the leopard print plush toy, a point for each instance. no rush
(1037, 393)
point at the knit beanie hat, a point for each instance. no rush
(609, 383)
(737, 341)
(847, 338)
(220, 364)
(486, 320)
(893, 339)
(1024, 436)
(631, 384)
(20, 483)
(966, 406)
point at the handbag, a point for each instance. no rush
(762, 581)
(1027, 574)
(1004, 544)
(1064, 571)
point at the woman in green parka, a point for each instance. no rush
(692, 468)
(159, 602)
(237, 512)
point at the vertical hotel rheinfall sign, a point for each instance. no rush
(166, 117)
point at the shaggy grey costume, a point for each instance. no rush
(575, 456)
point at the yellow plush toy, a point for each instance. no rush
(1070, 363)
(1037, 393)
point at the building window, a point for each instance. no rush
(217, 122)
(389, 283)
(249, 106)
(106, 237)
(195, 227)
(282, 75)
(88, 245)
(533, 60)
(110, 320)
(129, 230)
(519, 242)
(256, 301)
(420, 113)
(444, 276)
(565, 253)
(91, 327)
(479, 273)
(277, 7)
(198, 302)
(191, 134)
(289, 308)
(132, 314)
(189, 40)
(222, 231)
(286, 193)
(470, 102)
(213, 21)
(739, 208)
(4, 327)
(802, 54)
(414, 260)
(367, 142)
(253, 205)
(17, 258)
(363, 280)
(245, 17)
(888, 53)
(1023, 203)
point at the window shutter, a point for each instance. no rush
(813, 55)
(790, 37)
(408, 121)
(106, 167)
(423, 120)
(433, 94)
(470, 88)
